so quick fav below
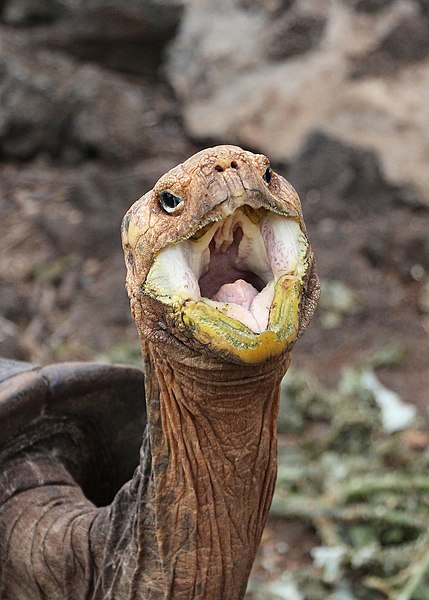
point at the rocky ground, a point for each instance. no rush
(99, 98)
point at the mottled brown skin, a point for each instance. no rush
(189, 522)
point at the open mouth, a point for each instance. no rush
(238, 280)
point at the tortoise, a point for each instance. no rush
(222, 282)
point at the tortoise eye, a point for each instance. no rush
(169, 202)
(267, 175)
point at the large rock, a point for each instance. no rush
(125, 35)
(31, 12)
(53, 104)
(340, 180)
(265, 75)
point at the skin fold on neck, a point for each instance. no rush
(213, 446)
(189, 522)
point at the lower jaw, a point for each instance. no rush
(233, 340)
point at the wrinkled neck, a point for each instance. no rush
(212, 430)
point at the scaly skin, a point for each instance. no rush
(188, 524)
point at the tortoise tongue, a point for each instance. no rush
(240, 292)
(241, 301)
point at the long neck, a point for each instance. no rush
(213, 445)
(186, 527)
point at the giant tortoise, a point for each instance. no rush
(221, 281)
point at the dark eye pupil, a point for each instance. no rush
(267, 175)
(169, 201)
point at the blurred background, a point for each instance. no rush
(99, 98)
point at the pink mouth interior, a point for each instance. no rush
(223, 281)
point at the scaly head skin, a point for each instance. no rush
(218, 260)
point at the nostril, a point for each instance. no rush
(219, 168)
(234, 165)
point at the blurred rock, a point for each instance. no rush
(369, 6)
(405, 44)
(330, 167)
(24, 12)
(294, 34)
(239, 82)
(31, 12)
(127, 35)
(275, 7)
(52, 104)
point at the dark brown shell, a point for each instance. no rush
(107, 399)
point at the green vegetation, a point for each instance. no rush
(355, 469)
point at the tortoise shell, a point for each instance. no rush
(105, 401)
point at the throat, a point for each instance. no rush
(223, 270)
(213, 467)
(236, 290)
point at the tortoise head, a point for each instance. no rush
(218, 258)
